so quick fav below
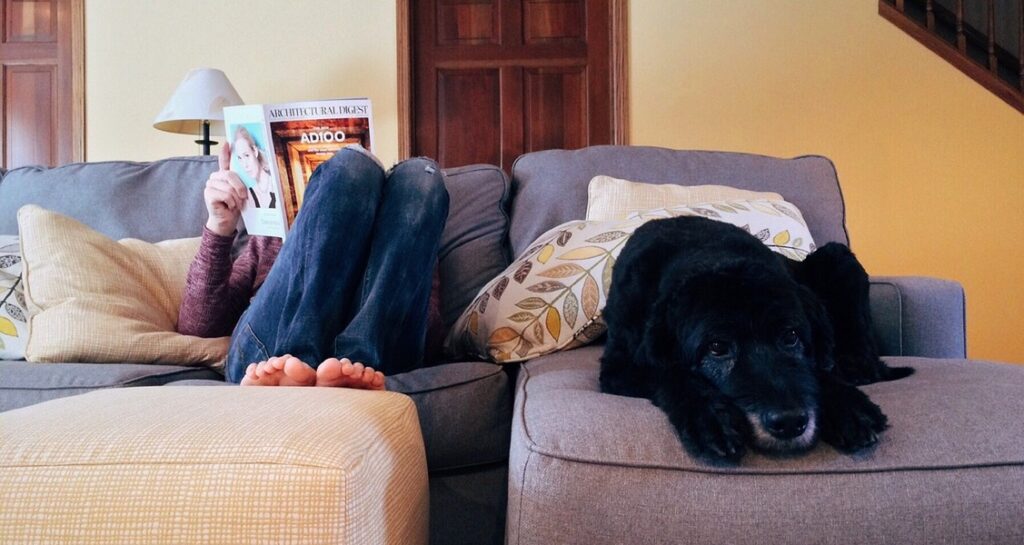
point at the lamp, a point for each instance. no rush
(197, 105)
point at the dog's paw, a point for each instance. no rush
(866, 369)
(852, 422)
(715, 434)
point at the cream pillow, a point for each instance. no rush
(93, 299)
(551, 297)
(777, 223)
(611, 198)
(13, 318)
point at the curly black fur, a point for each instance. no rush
(741, 346)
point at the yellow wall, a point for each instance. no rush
(932, 164)
(272, 51)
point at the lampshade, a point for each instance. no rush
(202, 95)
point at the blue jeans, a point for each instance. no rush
(353, 278)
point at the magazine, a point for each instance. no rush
(276, 147)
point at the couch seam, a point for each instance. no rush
(530, 449)
(522, 485)
(899, 304)
(747, 473)
(454, 384)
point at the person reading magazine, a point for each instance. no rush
(345, 300)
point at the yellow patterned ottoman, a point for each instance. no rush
(202, 464)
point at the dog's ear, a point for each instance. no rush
(661, 344)
(823, 337)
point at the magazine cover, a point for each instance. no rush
(275, 148)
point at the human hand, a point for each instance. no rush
(225, 195)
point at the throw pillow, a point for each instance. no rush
(777, 223)
(551, 297)
(612, 199)
(94, 299)
(13, 318)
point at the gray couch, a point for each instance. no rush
(578, 466)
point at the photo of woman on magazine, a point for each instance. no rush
(255, 164)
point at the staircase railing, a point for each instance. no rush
(970, 45)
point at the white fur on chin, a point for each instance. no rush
(767, 441)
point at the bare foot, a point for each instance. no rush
(343, 373)
(284, 370)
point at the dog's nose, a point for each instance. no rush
(785, 424)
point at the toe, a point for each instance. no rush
(298, 373)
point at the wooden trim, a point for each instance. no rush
(619, 74)
(78, 80)
(951, 54)
(405, 77)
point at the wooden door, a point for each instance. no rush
(493, 79)
(41, 82)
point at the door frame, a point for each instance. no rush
(619, 19)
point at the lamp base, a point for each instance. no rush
(205, 141)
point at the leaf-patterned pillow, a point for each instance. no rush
(778, 224)
(551, 297)
(13, 318)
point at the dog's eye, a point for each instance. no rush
(790, 338)
(718, 349)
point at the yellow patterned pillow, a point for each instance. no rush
(547, 300)
(611, 198)
(93, 299)
(551, 297)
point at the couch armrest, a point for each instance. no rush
(918, 316)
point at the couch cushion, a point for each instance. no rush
(465, 411)
(951, 460)
(150, 201)
(550, 187)
(23, 383)
(215, 465)
(474, 247)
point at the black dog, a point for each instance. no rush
(740, 345)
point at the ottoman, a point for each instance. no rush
(214, 465)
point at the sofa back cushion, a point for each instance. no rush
(550, 187)
(150, 201)
(474, 245)
(164, 200)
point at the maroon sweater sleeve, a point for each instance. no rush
(217, 290)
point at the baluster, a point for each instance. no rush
(931, 16)
(961, 40)
(993, 63)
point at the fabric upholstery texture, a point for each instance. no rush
(474, 247)
(582, 462)
(154, 201)
(920, 316)
(94, 299)
(613, 199)
(13, 313)
(550, 187)
(25, 383)
(340, 466)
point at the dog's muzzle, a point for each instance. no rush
(784, 431)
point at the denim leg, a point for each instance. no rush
(314, 284)
(389, 328)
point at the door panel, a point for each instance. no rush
(41, 82)
(30, 100)
(470, 103)
(493, 79)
